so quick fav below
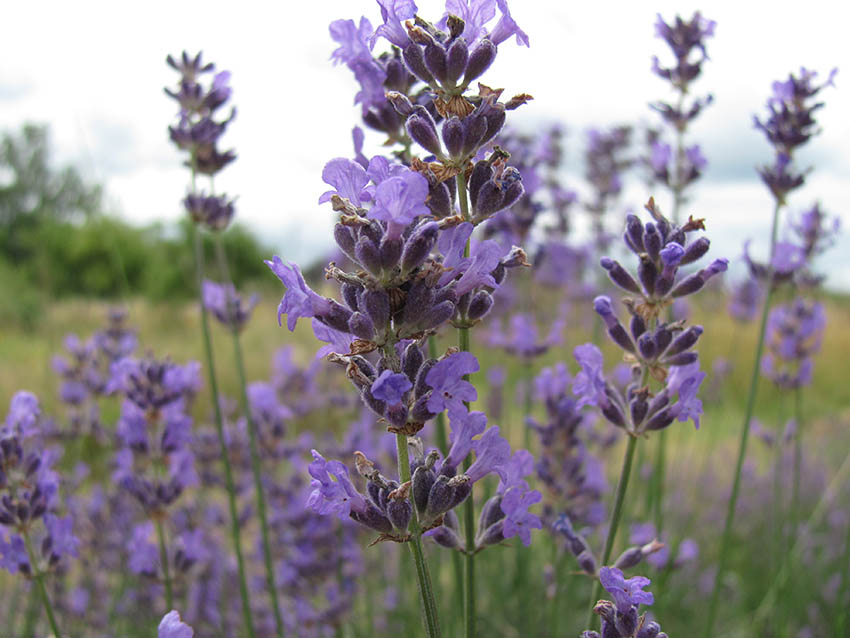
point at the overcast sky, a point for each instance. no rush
(94, 72)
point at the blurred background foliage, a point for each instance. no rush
(59, 239)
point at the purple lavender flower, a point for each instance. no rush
(390, 387)
(172, 627)
(626, 592)
(333, 492)
(299, 300)
(226, 305)
(449, 390)
(518, 520)
(348, 179)
(398, 200)
(589, 384)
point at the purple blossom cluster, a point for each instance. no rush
(620, 618)
(794, 335)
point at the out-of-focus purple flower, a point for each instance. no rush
(744, 300)
(589, 384)
(23, 414)
(13, 553)
(144, 556)
(626, 592)
(172, 627)
(226, 305)
(449, 389)
(685, 381)
(63, 541)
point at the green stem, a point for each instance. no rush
(31, 614)
(658, 482)
(219, 422)
(798, 459)
(426, 590)
(622, 486)
(38, 577)
(745, 433)
(255, 454)
(443, 444)
(469, 505)
(843, 616)
(166, 571)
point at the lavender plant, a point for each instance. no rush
(789, 125)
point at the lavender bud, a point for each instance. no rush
(419, 298)
(495, 121)
(652, 241)
(366, 252)
(646, 347)
(634, 233)
(411, 361)
(453, 136)
(659, 420)
(419, 246)
(587, 562)
(420, 386)
(376, 405)
(423, 481)
(629, 558)
(491, 512)
(481, 174)
(419, 413)
(638, 407)
(337, 317)
(688, 286)
(437, 315)
(373, 518)
(627, 623)
(650, 629)
(361, 326)
(663, 336)
(480, 59)
(396, 414)
(439, 498)
(399, 509)
(620, 275)
(457, 57)
(350, 293)
(414, 58)
(684, 341)
(345, 240)
(440, 200)
(435, 60)
(377, 305)
(446, 537)
(424, 132)
(491, 535)
(401, 103)
(682, 359)
(695, 250)
(637, 325)
(390, 252)
(479, 305)
(647, 272)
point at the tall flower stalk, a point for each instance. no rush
(686, 40)
(197, 132)
(662, 351)
(790, 124)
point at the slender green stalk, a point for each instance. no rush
(443, 444)
(658, 481)
(469, 505)
(38, 577)
(256, 469)
(166, 570)
(219, 422)
(426, 589)
(798, 459)
(745, 433)
(31, 614)
(622, 486)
